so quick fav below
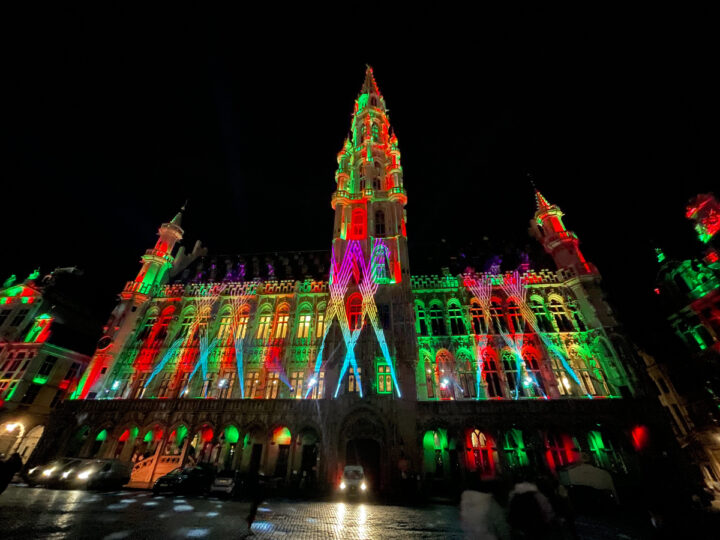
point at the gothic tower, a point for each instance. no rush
(370, 279)
(156, 264)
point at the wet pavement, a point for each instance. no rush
(43, 513)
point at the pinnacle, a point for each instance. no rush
(177, 220)
(542, 203)
(369, 85)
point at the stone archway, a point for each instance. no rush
(363, 442)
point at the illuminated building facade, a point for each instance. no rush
(351, 359)
(688, 382)
(36, 372)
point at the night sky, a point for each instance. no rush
(113, 119)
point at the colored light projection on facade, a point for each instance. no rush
(365, 274)
(704, 210)
(40, 330)
(514, 286)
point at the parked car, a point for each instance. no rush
(97, 474)
(227, 483)
(353, 481)
(197, 479)
(50, 473)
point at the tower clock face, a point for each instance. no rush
(104, 343)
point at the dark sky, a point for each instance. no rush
(114, 118)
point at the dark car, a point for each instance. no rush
(197, 479)
(52, 473)
(97, 474)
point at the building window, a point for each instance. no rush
(281, 327)
(422, 322)
(512, 375)
(541, 317)
(147, 328)
(164, 386)
(480, 452)
(358, 221)
(4, 314)
(562, 321)
(47, 366)
(478, 320)
(491, 374)
(252, 384)
(207, 387)
(466, 378)
(317, 383)
(185, 327)
(354, 311)
(320, 330)
(271, 385)
(535, 385)
(20, 317)
(140, 379)
(457, 325)
(57, 398)
(429, 380)
(498, 318)
(304, 326)
(224, 332)
(296, 382)
(379, 222)
(353, 383)
(517, 323)
(263, 329)
(32, 392)
(384, 379)
(446, 374)
(437, 321)
(225, 385)
(242, 323)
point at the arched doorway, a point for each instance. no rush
(78, 440)
(365, 452)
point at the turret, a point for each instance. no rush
(156, 263)
(563, 245)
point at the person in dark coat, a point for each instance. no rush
(9, 469)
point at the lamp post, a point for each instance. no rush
(12, 427)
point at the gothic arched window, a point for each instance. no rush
(479, 325)
(437, 321)
(457, 325)
(354, 311)
(357, 224)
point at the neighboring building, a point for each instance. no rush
(689, 380)
(297, 364)
(36, 371)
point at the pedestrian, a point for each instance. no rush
(481, 514)
(531, 515)
(8, 470)
(256, 489)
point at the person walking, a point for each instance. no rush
(8, 470)
(481, 514)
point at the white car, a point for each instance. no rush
(353, 481)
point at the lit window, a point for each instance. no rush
(304, 325)
(320, 324)
(317, 383)
(272, 383)
(541, 317)
(384, 379)
(358, 224)
(296, 382)
(354, 311)
(512, 375)
(353, 383)
(242, 323)
(562, 320)
(480, 453)
(498, 317)
(466, 377)
(252, 384)
(263, 330)
(281, 327)
(534, 385)
(225, 327)
(422, 323)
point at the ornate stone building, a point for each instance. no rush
(297, 364)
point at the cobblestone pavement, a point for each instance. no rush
(43, 513)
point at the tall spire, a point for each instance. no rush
(370, 86)
(541, 202)
(177, 220)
